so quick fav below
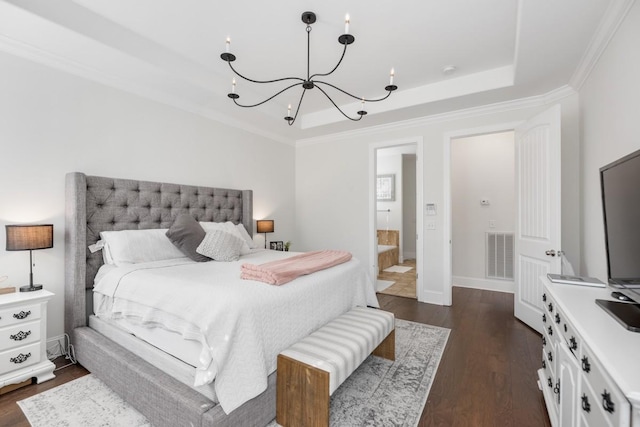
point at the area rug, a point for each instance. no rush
(84, 402)
(397, 269)
(379, 393)
(381, 285)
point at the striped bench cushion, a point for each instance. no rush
(341, 345)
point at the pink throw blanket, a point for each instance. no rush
(285, 270)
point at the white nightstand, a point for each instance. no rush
(23, 337)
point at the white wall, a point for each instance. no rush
(347, 184)
(52, 123)
(390, 164)
(609, 104)
(409, 191)
(482, 167)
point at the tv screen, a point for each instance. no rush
(620, 184)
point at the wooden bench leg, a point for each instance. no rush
(302, 394)
(387, 348)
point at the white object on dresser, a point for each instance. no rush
(590, 374)
(23, 336)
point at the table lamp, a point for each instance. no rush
(29, 238)
(265, 226)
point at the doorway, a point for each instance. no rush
(395, 222)
(483, 211)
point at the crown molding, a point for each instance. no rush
(517, 104)
(609, 24)
(34, 54)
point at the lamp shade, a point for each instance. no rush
(265, 226)
(29, 237)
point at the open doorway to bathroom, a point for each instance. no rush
(396, 226)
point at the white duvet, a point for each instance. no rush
(242, 324)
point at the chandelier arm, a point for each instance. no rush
(263, 81)
(336, 105)
(344, 51)
(298, 108)
(268, 99)
(353, 96)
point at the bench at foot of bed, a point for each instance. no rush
(313, 368)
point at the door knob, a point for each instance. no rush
(551, 252)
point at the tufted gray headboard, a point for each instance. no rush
(95, 204)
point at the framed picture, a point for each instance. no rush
(273, 246)
(386, 188)
(280, 245)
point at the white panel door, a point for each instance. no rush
(538, 210)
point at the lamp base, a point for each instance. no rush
(30, 288)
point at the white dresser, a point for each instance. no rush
(590, 372)
(23, 337)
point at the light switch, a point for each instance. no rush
(431, 225)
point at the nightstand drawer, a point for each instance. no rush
(24, 313)
(20, 334)
(19, 358)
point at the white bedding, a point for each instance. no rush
(242, 324)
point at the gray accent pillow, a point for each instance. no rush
(187, 234)
(221, 246)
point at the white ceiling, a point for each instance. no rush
(169, 51)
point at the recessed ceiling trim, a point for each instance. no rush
(615, 14)
(465, 85)
(533, 101)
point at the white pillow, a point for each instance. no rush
(135, 246)
(221, 246)
(230, 228)
(245, 235)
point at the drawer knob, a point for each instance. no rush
(586, 406)
(573, 344)
(550, 356)
(544, 318)
(21, 358)
(20, 335)
(544, 364)
(550, 330)
(550, 306)
(549, 382)
(544, 341)
(544, 297)
(557, 318)
(556, 389)
(607, 404)
(22, 315)
(586, 366)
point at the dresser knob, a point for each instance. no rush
(549, 382)
(544, 364)
(544, 318)
(557, 318)
(586, 366)
(21, 358)
(550, 356)
(586, 406)
(550, 306)
(573, 344)
(550, 331)
(544, 341)
(607, 404)
(22, 315)
(544, 297)
(20, 335)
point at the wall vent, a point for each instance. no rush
(499, 259)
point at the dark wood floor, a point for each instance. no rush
(487, 376)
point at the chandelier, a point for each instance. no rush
(311, 81)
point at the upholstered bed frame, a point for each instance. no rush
(95, 204)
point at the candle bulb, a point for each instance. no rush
(228, 44)
(233, 86)
(346, 24)
(289, 111)
(362, 108)
(391, 77)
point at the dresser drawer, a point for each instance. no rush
(570, 337)
(19, 358)
(19, 314)
(20, 334)
(606, 396)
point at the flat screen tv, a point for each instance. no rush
(620, 189)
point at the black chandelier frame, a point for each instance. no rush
(310, 82)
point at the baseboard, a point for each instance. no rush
(486, 284)
(431, 297)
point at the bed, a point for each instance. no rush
(388, 248)
(157, 382)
